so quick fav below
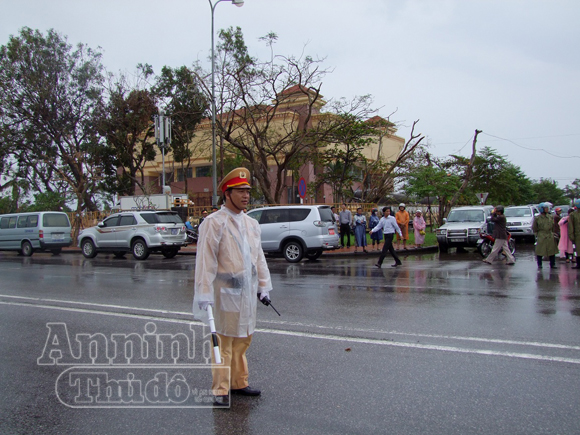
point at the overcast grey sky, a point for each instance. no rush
(507, 67)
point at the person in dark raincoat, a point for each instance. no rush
(574, 230)
(544, 229)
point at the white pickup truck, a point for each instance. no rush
(462, 227)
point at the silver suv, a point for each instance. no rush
(297, 231)
(139, 232)
(462, 227)
(520, 219)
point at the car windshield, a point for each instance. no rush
(518, 212)
(465, 216)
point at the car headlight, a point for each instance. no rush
(473, 231)
(441, 232)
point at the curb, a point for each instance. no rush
(333, 253)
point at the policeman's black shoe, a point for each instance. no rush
(247, 391)
(553, 266)
(378, 265)
(222, 401)
(397, 264)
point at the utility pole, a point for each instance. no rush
(163, 139)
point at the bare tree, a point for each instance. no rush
(380, 173)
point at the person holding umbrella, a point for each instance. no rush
(231, 275)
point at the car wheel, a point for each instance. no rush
(443, 248)
(170, 253)
(88, 248)
(119, 254)
(56, 251)
(140, 249)
(293, 252)
(27, 249)
(314, 255)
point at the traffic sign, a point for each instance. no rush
(482, 197)
(302, 187)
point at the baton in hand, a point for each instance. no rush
(266, 301)
(214, 338)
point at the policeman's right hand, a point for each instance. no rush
(265, 299)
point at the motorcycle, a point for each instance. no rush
(191, 234)
(486, 241)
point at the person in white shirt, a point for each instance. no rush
(389, 226)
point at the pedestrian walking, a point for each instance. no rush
(388, 224)
(419, 227)
(360, 230)
(543, 228)
(403, 218)
(378, 236)
(574, 230)
(500, 235)
(345, 218)
(231, 275)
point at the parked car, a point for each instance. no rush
(297, 231)
(462, 227)
(139, 232)
(520, 219)
(35, 231)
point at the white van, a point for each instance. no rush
(28, 232)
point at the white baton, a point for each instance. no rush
(214, 338)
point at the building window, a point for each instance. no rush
(168, 178)
(203, 171)
(187, 171)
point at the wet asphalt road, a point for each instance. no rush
(444, 344)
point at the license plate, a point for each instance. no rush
(461, 239)
(331, 231)
(174, 231)
(58, 237)
(512, 228)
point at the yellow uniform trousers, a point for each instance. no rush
(233, 354)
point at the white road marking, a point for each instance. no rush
(371, 341)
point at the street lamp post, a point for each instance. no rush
(238, 3)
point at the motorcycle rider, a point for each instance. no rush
(501, 237)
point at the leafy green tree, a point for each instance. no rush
(128, 128)
(431, 177)
(184, 101)
(343, 156)
(505, 182)
(572, 190)
(50, 97)
(7, 205)
(547, 190)
(47, 201)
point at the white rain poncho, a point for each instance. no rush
(230, 270)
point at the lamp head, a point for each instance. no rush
(238, 3)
